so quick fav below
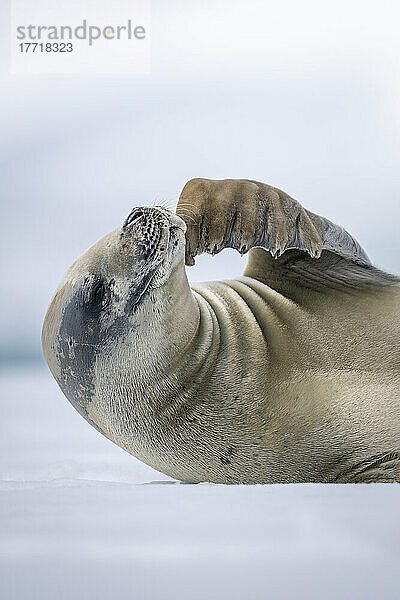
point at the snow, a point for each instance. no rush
(81, 518)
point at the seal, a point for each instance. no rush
(289, 373)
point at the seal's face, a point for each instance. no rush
(112, 300)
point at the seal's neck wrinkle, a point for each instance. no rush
(177, 390)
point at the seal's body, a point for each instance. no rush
(290, 373)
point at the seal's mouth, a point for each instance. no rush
(138, 293)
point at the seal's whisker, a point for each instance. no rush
(169, 204)
(187, 205)
(189, 210)
(188, 216)
(163, 203)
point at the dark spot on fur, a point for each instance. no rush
(224, 460)
(79, 340)
(82, 337)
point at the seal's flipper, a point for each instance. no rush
(341, 261)
(331, 270)
(301, 246)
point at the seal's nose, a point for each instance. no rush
(133, 216)
(157, 212)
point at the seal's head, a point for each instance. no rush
(111, 317)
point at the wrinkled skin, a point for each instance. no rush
(289, 373)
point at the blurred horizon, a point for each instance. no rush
(305, 98)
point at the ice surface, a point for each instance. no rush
(80, 518)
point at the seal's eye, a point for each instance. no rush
(98, 295)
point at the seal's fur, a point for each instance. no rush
(289, 373)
